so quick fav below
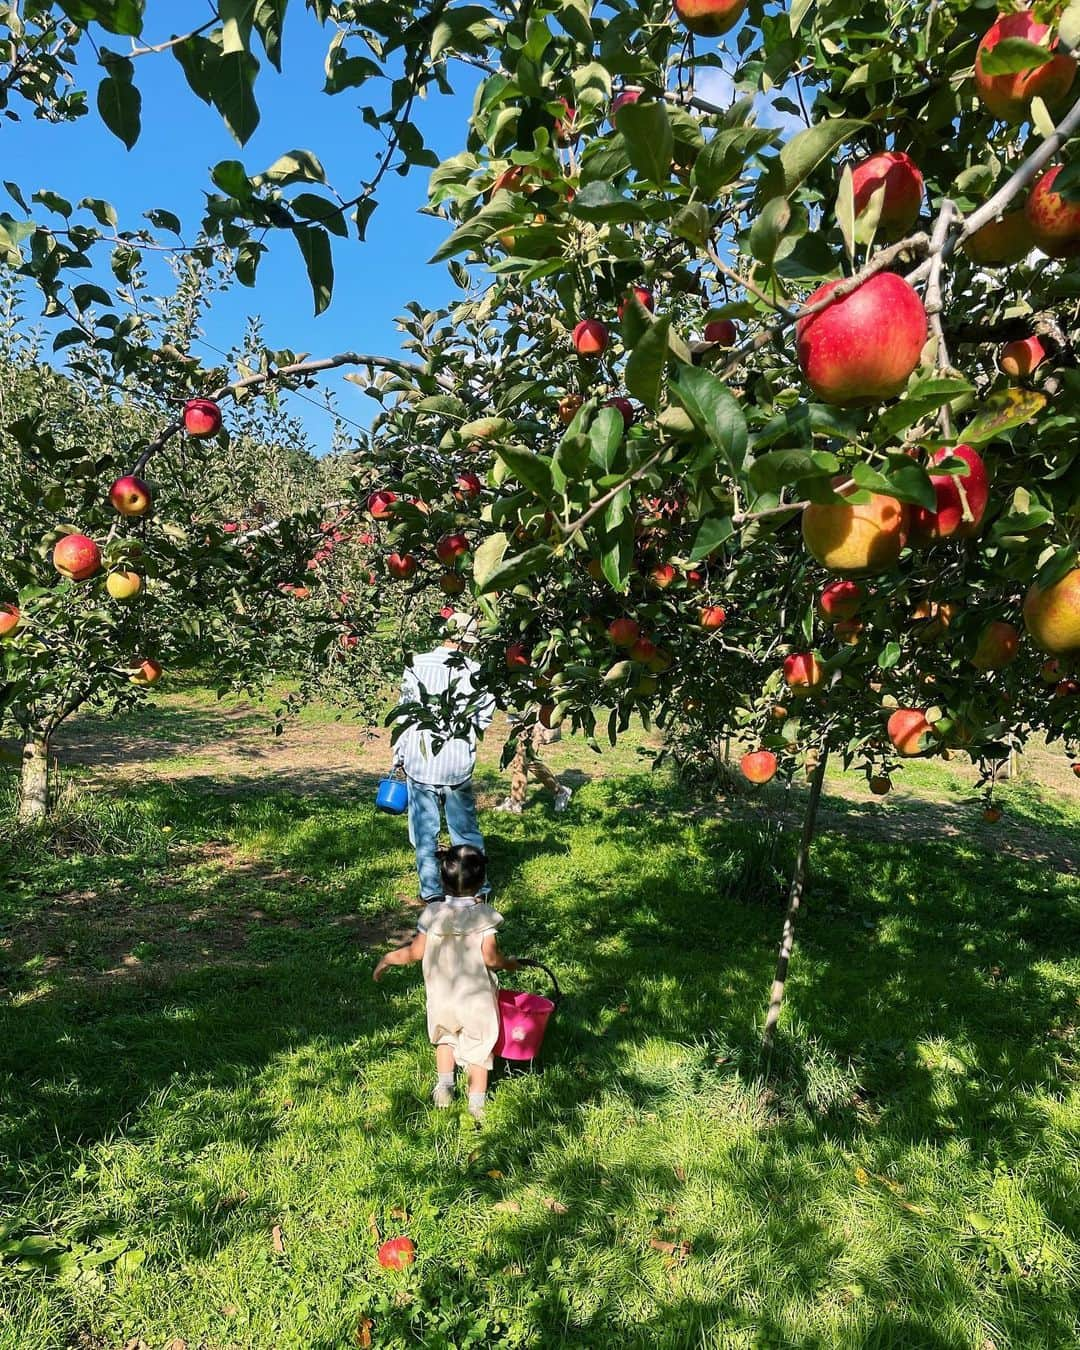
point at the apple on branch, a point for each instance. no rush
(76, 557)
(202, 418)
(130, 496)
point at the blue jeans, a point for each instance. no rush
(427, 801)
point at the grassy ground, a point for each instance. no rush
(208, 1110)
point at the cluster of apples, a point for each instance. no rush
(450, 548)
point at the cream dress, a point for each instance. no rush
(462, 1007)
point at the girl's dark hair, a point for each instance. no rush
(463, 869)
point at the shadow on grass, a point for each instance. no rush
(929, 1002)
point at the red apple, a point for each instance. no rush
(664, 576)
(9, 620)
(948, 521)
(130, 496)
(694, 578)
(146, 672)
(1067, 689)
(76, 557)
(998, 645)
(862, 348)
(1052, 615)
(569, 405)
(401, 565)
(381, 504)
(202, 418)
(992, 814)
(721, 331)
(758, 765)
(451, 547)
(710, 18)
(849, 630)
(1054, 222)
(590, 337)
(1050, 671)
(644, 298)
(644, 650)
(1009, 96)
(396, 1253)
(803, 673)
(860, 538)
(1022, 357)
(1076, 769)
(451, 583)
(711, 617)
(565, 130)
(840, 600)
(624, 406)
(546, 715)
(902, 182)
(1001, 241)
(348, 641)
(624, 632)
(511, 179)
(467, 485)
(622, 98)
(517, 656)
(910, 732)
(880, 785)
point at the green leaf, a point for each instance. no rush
(713, 531)
(319, 261)
(617, 557)
(513, 570)
(600, 201)
(235, 16)
(650, 141)
(799, 11)
(890, 655)
(119, 102)
(806, 149)
(1002, 411)
(488, 558)
(320, 210)
(845, 211)
(909, 482)
(725, 156)
(269, 19)
(692, 223)
(1012, 55)
(52, 201)
(1069, 24)
(715, 410)
(233, 94)
(231, 177)
(296, 166)
(198, 58)
(768, 229)
(103, 212)
(528, 468)
(645, 368)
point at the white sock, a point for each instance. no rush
(446, 1079)
(476, 1101)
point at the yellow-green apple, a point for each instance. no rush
(625, 408)
(1052, 615)
(517, 656)
(146, 672)
(758, 765)
(949, 520)
(467, 485)
(1050, 671)
(711, 617)
(644, 297)
(857, 537)
(880, 785)
(1022, 357)
(451, 547)
(381, 504)
(660, 661)
(803, 673)
(569, 405)
(862, 348)
(998, 645)
(897, 176)
(590, 337)
(1001, 241)
(123, 585)
(401, 565)
(9, 620)
(624, 632)
(76, 557)
(840, 600)
(1054, 221)
(910, 732)
(451, 583)
(1008, 96)
(130, 496)
(721, 331)
(710, 18)
(202, 418)
(646, 685)
(663, 576)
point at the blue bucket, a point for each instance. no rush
(392, 797)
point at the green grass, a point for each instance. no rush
(194, 1054)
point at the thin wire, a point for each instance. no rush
(295, 393)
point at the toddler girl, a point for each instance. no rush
(455, 940)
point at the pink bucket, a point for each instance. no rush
(523, 1019)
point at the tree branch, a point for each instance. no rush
(933, 304)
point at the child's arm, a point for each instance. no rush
(493, 957)
(402, 956)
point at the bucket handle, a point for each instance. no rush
(531, 963)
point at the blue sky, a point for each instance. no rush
(182, 139)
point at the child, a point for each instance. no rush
(455, 940)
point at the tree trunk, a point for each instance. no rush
(34, 780)
(795, 895)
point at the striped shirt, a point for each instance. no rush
(442, 682)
